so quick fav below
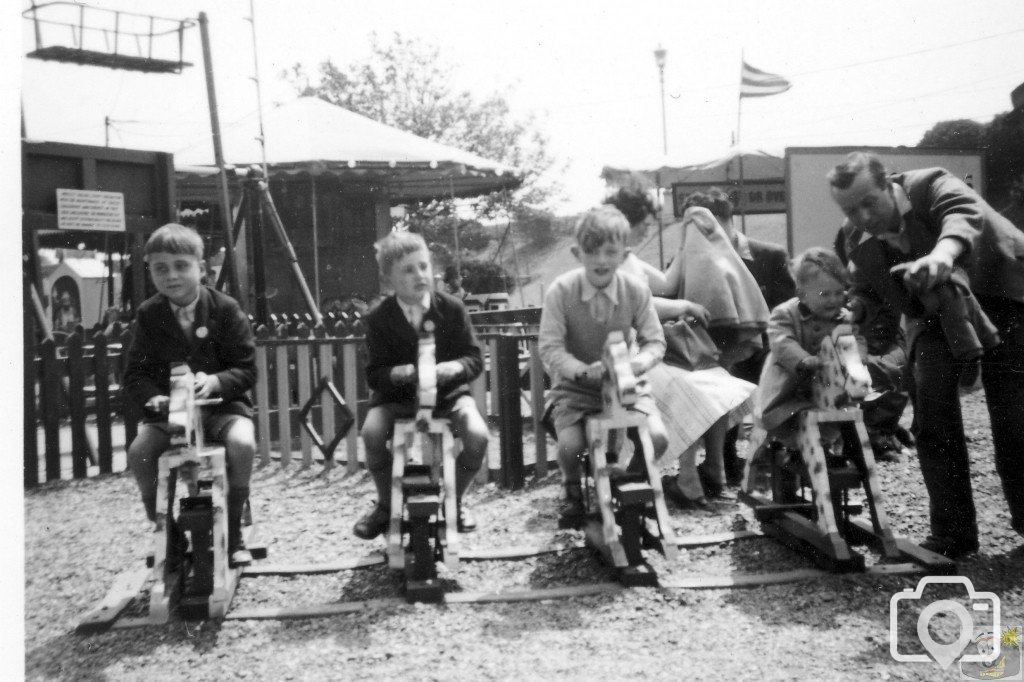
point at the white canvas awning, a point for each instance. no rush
(312, 137)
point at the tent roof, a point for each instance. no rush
(311, 136)
(757, 165)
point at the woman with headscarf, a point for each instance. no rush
(699, 400)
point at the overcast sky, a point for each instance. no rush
(871, 72)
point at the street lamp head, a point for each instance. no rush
(659, 56)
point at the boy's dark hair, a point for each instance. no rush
(842, 176)
(714, 200)
(599, 226)
(397, 245)
(634, 203)
(819, 258)
(176, 239)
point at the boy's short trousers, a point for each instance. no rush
(215, 425)
(455, 414)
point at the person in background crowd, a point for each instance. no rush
(769, 265)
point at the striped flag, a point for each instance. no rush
(757, 83)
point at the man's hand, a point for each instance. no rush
(449, 371)
(698, 312)
(591, 376)
(206, 385)
(928, 272)
(403, 374)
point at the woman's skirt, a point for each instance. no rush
(691, 402)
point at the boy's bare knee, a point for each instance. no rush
(240, 439)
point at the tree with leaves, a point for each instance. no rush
(962, 133)
(1002, 143)
(407, 84)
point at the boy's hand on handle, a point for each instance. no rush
(640, 363)
(591, 376)
(206, 385)
(450, 370)
(158, 404)
(403, 374)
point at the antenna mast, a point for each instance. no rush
(256, 79)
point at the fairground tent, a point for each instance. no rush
(309, 136)
(757, 166)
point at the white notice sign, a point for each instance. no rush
(80, 209)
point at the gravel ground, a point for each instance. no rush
(80, 534)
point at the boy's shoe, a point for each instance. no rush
(465, 522)
(670, 486)
(950, 547)
(372, 524)
(734, 472)
(904, 437)
(885, 448)
(571, 510)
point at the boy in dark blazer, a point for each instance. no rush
(392, 338)
(190, 323)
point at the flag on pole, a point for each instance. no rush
(757, 83)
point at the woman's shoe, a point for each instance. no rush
(672, 491)
(711, 488)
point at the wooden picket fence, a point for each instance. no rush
(76, 389)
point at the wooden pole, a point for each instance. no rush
(218, 156)
(259, 272)
(267, 203)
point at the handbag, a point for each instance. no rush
(688, 345)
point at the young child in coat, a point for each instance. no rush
(581, 308)
(188, 322)
(392, 341)
(795, 332)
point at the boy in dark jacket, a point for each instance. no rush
(392, 338)
(190, 323)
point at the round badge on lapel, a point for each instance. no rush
(428, 326)
(202, 333)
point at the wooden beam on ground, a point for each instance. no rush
(126, 587)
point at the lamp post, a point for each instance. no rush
(659, 59)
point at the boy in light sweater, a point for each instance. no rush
(581, 308)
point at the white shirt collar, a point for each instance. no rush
(611, 291)
(423, 302)
(903, 205)
(190, 308)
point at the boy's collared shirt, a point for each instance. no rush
(602, 301)
(186, 315)
(414, 312)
